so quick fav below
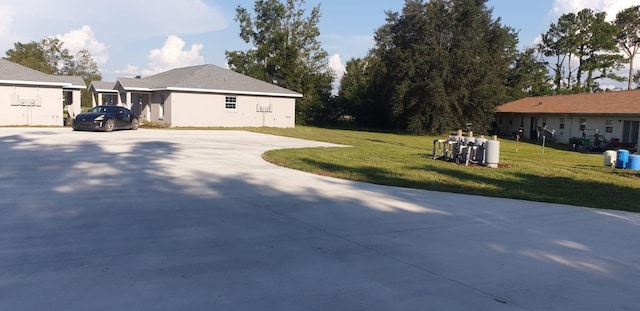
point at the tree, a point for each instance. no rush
(85, 66)
(558, 42)
(285, 52)
(58, 57)
(528, 76)
(443, 63)
(49, 56)
(30, 55)
(359, 93)
(597, 50)
(636, 79)
(590, 39)
(628, 22)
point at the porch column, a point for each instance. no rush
(76, 102)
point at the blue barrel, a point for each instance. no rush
(634, 162)
(622, 158)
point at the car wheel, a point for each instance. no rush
(109, 125)
(135, 124)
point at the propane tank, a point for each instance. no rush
(493, 153)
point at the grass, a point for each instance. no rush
(557, 176)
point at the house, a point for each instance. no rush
(610, 116)
(30, 97)
(205, 95)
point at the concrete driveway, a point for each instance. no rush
(196, 220)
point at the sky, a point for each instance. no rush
(132, 37)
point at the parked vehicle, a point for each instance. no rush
(106, 118)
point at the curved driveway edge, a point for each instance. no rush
(196, 220)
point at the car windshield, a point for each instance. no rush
(103, 109)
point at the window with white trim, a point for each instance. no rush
(230, 103)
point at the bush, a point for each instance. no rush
(150, 124)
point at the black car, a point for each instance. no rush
(106, 118)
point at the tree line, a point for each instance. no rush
(436, 65)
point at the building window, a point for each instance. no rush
(583, 124)
(230, 103)
(561, 123)
(161, 108)
(609, 126)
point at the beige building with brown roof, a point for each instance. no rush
(613, 115)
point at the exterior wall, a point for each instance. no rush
(156, 113)
(76, 104)
(140, 105)
(196, 109)
(509, 123)
(32, 105)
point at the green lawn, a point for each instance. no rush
(558, 175)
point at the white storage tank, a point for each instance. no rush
(610, 158)
(493, 153)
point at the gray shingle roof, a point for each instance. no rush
(11, 72)
(206, 78)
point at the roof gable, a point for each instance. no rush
(621, 102)
(102, 86)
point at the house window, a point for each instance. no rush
(609, 126)
(161, 108)
(561, 123)
(230, 103)
(583, 124)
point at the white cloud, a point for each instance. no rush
(339, 69)
(612, 7)
(172, 55)
(84, 38)
(118, 22)
(129, 71)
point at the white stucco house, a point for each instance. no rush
(613, 115)
(205, 95)
(30, 97)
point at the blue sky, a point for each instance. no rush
(131, 37)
